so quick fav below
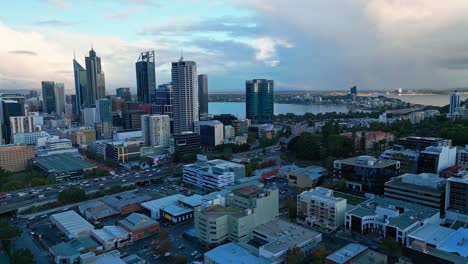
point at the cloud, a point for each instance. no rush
(54, 22)
(57, 3)
(266, 49)
(23, 52)
(120, 16)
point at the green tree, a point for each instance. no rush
(8, 233)
(320, 254)
(295, 256)
(72, 195)
(392, 246)
(22, 256)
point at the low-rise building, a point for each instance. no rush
(187, 142)
(71, 224)
(424, 189)
(354, 253)
(153, 207)
(462, 157)
(15, 158)
(71, 252)
(139, 226)
(306, 177)
(63, 167)
(213, 174)
(431, 234)
(436, 159)
(421, 143)
(176, 208)
(278, 236)
(111, 237)
(366, 173)
(58, 143)
(29, 138)
(456, 194)
(97, 210)
(395, 219)
(408, 158)
(127, 202)
(124, 151)
(319, 207)
(232, 253)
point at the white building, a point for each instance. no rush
(229, 133)
(71, 224)
(127, 135)
(61, 143)
(185, 95)
(111, 237)
(436, 159)
(29, 138)
(156, 130)
(213, 174)
(319, 207)
(88, 116)
(155, 206)
(462, 157)
(23, 124)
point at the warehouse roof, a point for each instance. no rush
(72, 222)
(346, 253)
(233, 253)
(137, 221)
(61, 163)
(109, 233)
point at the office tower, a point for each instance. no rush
(155, 130)
(454, 102)
(22, 124)
(80, 87)
(103, 110)
(185, 95)
(59, 98)
(95, 82)
(8, 108)
(259, 101)
(203, 93)
(146, 77)
(211, 132)
(88, 116)
(164, 99)
(124, 93)
(48, 97)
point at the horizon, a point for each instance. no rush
(378, 46)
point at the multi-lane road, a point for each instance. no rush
(26, 197)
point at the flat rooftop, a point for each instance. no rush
(286, 235)
(176, 210)
(250, 191)
(368, 162)
(232, 253)
(322, 194)
(370, 256)
(431, 233)
(346, 253)
(217, 210)
(216, 166)
(457, 242)
(424, 181)
(62, 163)
(72, 222)
(313, 172)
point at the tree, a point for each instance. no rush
(8, 233)
(22, 256)
(295, 256)
(320, 254)
(72, 195)
(179, 259)
(392, 246)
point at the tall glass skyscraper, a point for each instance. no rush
(103, 110)
(8, 108)
(163, 102)
(124, 93)
(259, 101)
(454, 102)
(95, 86)
(80, 87)
(203, 93)
(48, 97)
(185, 95)
(146, 77)
(59, 98)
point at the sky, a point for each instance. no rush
(310, 45)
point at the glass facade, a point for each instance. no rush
(48, 97)
(259, 101)
(146, 77)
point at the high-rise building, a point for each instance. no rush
(203, 93)
(59, 98)
(211, 132)
(48, 97)
(164, 98)
(124, 93)
(80, 87)
(22, 124)
(146, 77)
(8, 108)
(454, 102)
(95, 86)
(103, 110)
(185, 95)
(156, 130)
(457, 193)
(88, 116)
(259, 101)
(186, 142)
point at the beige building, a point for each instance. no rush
(84, 136)
(320, 208)
(246, 208)
(15, 157)
(306, 177)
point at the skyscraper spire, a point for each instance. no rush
(181, 55)
(74, 57)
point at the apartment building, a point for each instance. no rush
(213, 174)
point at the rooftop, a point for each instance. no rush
(368, 162)
(62, 163)
(370, 256)
(346, 253)
(320, 193)
(285, 235)
(431, 233)
(233, 253)
(108, 233)
(250, 191)
(137, 221)
(218, 210)
(192, 201)
(176, 210)
(159, 203)
(313, 172)
(457, 242)
(216, 166)
(72, 221)
(124, 199)
(427, 181)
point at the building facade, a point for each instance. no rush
(211, 132)
(59, 98)
(146, 77)
(454, 102)
(15, 158)
(123, 152)
(259, 101)
(124, 93)
(213, 174)
(185, 95)
(421, 143)
(81, 88)
(95, 80)
(435, 159)
(48, 97)
(156, 130)
(203, 93)
(457, 194)
(187, 142)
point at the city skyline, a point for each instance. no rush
(377, 45)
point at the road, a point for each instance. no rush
(26, 197)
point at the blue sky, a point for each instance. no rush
(301, 44)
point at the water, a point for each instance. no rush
(238, 108)
(427, 99)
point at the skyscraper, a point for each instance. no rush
(95, 85)
(156, 130)
(146, 77)
(48, 97)
(163, 102)
(80, 87)
(59, 98)
(203, 93)
(259, 101)
(103, 110)
(8, 108)
(185, 95)
(454, 102)
(124, 93)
